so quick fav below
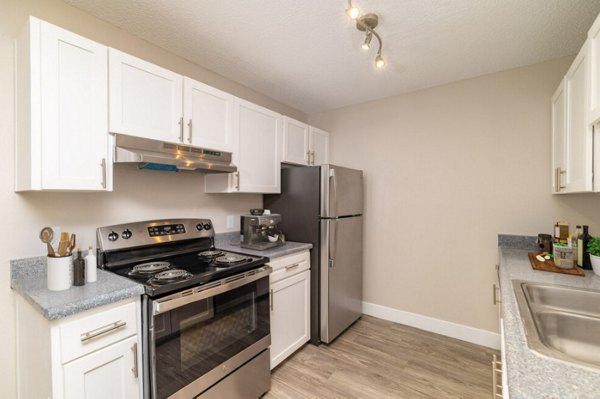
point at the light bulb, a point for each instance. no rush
(379, 62)
(367, 43)
(352, 12)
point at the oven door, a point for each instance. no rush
(197, 337)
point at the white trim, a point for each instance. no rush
(447, 328)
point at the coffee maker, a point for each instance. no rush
(260, 232)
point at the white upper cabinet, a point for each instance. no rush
(62, 140)
(295, 142)
(145, 99)
(578, 134)
(208, 116)
(257, 138)
(594, 63)
(304, 144)
(559, 105)
(319, 146)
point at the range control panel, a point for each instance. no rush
(137, 234)
(166, 230)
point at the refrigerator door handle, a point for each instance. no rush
(333, 187)
(333, 246)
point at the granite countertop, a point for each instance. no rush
(532, 375)
(231, 242)
(28, 278)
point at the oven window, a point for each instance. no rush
(194, 339)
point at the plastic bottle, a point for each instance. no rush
(91, 272)
(78, 270)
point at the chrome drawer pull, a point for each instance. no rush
(290, 267)
(134, 370)
(102, 330)
(495, 298)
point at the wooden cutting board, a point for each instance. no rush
(549, 266)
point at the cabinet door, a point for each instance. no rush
(559, 105)
(290, 316)
(208, 115)
(578, 162)
(145, 100)
(74, 107)
(319, 146)
(258, 134)
(594, 55)
(111, 372)
(295, 142)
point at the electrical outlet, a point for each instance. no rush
(230, 221)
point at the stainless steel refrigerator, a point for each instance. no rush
(323, 205)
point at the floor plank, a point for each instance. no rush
(379, 359)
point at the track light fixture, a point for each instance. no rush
(367, 23)
(367, 43)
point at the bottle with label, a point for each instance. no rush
(79, 270)
(579, 242)
(91, 272)
(585, 257)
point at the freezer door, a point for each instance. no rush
(341, 191)
(341, 275)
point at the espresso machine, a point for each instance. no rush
(260, 232)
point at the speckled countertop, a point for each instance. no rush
(532, 375)
(231, 242)
(28, 278)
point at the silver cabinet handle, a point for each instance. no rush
(290, 267)
(312, 154)
(181, 129)
(103, 166)
(271, 300)
(134, 370)
(190, 127)
(558, 172)
(495, 289)
(237, 181)
(102, 330)
(308, 157)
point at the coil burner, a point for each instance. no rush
(170, 276)
(149, 268)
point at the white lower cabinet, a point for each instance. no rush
(88, 376)
(91, 355)
(290, 305)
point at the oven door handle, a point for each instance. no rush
(215, 288)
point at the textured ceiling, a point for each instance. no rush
(306, 53)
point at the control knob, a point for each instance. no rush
(199, 227)
(112, 236)
(126, 234)
(207, 226)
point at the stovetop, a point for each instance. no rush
(187, 270)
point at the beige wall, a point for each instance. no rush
(446, 170)
(137, 195)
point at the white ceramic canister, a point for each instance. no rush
(59, 273)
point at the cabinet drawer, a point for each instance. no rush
(90, 333)
(289, 265)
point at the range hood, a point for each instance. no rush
(156, 154)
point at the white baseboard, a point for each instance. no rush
(447, 328)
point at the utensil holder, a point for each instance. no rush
(60, 271)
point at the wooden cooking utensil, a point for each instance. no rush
(63, 244)
(72, 243)
(46, 235)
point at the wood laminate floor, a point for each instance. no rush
(379, 359)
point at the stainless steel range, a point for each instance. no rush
(205, 312)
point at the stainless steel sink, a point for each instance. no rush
(561, 322)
